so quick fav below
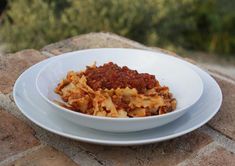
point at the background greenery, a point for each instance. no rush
(192, 24)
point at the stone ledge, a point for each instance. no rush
(166, 153)
(218, 157)
(95, 40)
(46, 156)
(222, 74)
(12, 65)
(169, 153)
(212, 155)
(224, 120)
(15, 135)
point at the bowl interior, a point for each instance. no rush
(183, 82)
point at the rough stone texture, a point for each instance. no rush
(224, 121)
(12, 65)
(44, 157)
(92, 40)
(231, 77)
(85, 158)
(218, 157)
(15, 135)
(167, 153)
(194, 148)
(95, 40)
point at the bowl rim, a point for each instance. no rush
(68, 54)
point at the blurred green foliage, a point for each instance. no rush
(192, 24)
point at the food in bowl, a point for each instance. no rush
(113, 91)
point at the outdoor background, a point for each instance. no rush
(202, 29)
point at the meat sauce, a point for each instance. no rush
(111, 76)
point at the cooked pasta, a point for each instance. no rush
(112, 91)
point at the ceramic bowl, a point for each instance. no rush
(184, 83)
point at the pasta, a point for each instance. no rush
(85, 93)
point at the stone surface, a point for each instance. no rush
(46, 156)
(91, 40)
(95, 40)
(224, 120)
(18, 143)
(85, 158)
(226, 72)
(166, 153)
(12, 65)
(15, 135)
(219, 157)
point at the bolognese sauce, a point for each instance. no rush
(111, 76)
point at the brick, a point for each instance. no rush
(12, 65)
(100, 40)
(15, 135)
(224, 121)
(91, 40)
(218, 157)
(164, 153)
(231, 77)
(46, 156)
(97, 40)
(85, 158)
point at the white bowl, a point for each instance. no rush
(184, 83)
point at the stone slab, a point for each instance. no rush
(220, 157)
(46, 156)
(165, 153)
(213, 155)
(224, 120)
(95, 40)
(15, 135)
(12, 65)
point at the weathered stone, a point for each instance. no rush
(224, 121)
(92, 40)
(46, 156)
(215, 71)
(12, 65)
(218, 157)
(15, 135)
(165, 153)
(85, 158)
